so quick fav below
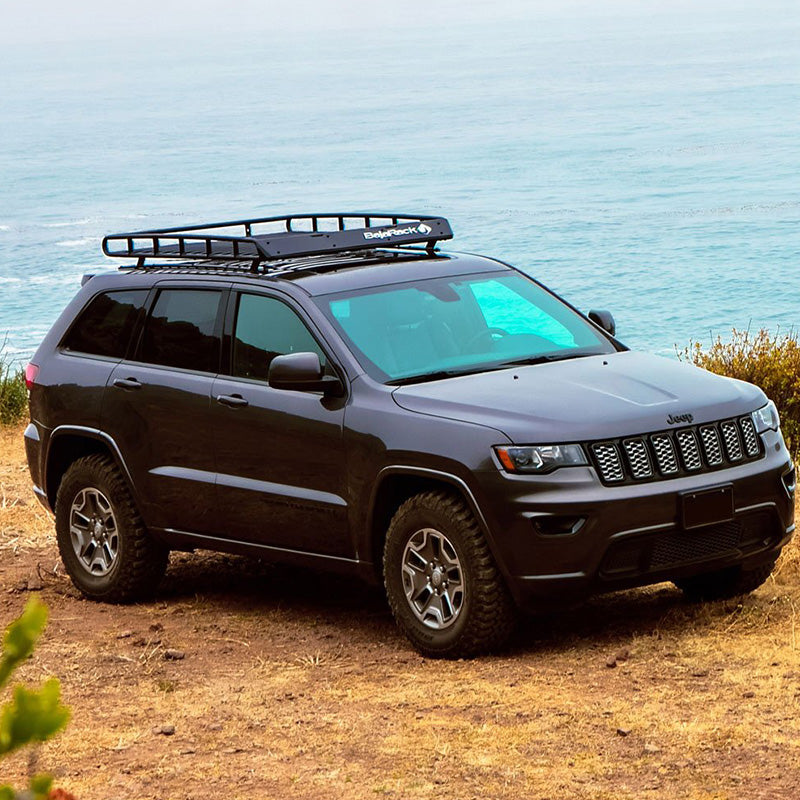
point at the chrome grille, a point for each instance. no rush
(730, 435)
(749, 435)
(711, 445)
(672, 453)
(690, 452)
(664, 449)
(608, 462)
(638, 458)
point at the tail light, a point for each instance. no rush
(31, 371)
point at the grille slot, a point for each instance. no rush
(690, 452)
(750, 437)
(730, 435)
(677, 452)
(711, 445)
(608, 462)
(664, 449)
(638, 458)
(681, 548)
(673, 548)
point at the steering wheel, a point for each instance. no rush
(493, 333)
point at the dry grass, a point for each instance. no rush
(296, 686)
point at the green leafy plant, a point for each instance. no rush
(31, 716)
(770, 361)
(13, 393)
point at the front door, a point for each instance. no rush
(280, 479)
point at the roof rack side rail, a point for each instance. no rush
(298, 235)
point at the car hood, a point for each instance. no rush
(594, 397)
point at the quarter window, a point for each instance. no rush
(183, 330)
(105, 326)
(265, 328)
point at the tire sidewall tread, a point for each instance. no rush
(141, 561)
(488, 616)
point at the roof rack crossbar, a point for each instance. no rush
(302, 235)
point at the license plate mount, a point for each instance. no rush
(707, 506)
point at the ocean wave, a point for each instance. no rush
(53, 280)
(77, 242)
(70, 224)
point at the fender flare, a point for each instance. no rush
(97, 435)
(447, 477)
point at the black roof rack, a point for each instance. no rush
(278, 238)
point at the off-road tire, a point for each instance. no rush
(140, 562)
(488, 614)
(724, 583)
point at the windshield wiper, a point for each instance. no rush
(544, 359)
(440, 374)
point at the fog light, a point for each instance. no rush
(557, 526)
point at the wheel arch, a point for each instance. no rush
(68, 444)
(396, 484)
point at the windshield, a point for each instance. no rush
(456, 325)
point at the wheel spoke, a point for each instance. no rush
(453, 574)
(88, 552)
(416, 562)
(448, 609)
(106, 556)
(423, 598)
(80, 536)
(104, 508)
(80, 516)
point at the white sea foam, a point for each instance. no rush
(52, 280)
(70, 224)
(76, 242)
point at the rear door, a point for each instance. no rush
(280, 476)
(157, 406)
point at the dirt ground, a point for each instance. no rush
(293, 685)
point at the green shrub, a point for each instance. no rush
(770, 361)
(32, 715)
(13, 394)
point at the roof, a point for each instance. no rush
(329, 276)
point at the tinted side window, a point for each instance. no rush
(265, 328)
(105, 326)
(182, 330)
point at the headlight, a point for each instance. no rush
(541, 458)
(766, 418)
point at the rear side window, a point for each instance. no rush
(183, 331)
(105, 326)
(265, 328)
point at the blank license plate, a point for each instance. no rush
(707, 506)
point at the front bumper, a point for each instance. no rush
(561, 537)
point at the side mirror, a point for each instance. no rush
(604, 319)
(302, 372)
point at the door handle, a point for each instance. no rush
(127, 383)
(232, 400)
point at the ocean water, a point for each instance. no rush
(640, 157)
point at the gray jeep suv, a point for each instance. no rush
(336, 392)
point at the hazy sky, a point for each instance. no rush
(76, 20)
(49, 20)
